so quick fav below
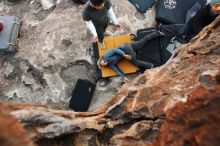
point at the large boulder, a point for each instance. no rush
(54, 51)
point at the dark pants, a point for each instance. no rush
(132, 47)
(100, 30)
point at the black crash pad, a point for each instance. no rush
(174, 11)
(155, 50)
(82, 95)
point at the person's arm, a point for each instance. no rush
(189, 26)
(87, 19)
(118, 51)
(195, 24)
(112, 16)
(112, 52)
(198, 24)
(117, 70)
(197, 21)
(91, 27)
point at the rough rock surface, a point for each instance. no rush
(134, 116)
(54, 51)
(39, 70)
(12, 133)
(193, 123)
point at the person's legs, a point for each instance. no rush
(100, 32)
(105, 27)
(139, 44)
(100, 29)
(143, 64)
(129, 51)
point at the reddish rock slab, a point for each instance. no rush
(195, 123)
(11, 131)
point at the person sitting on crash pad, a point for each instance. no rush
(205, 16)
(112, 57)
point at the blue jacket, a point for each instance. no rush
(113, 57)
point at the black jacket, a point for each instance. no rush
(202, 18)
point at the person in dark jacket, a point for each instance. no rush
(203, 17)
(112, 57)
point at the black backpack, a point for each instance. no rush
(80, 1)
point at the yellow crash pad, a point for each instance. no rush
(124, 65)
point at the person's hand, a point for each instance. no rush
(95, 39)
(127, 56)
(118, 26)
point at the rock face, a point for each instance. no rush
(175, 104)
(54, 51)
(12, 133)
(194, 122)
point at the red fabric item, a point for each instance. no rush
(1, 26)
